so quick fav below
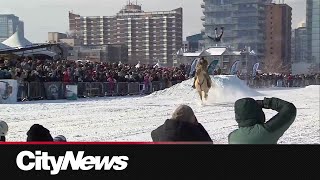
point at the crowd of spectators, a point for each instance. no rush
(281, 80)
(26, 69)
(29, 70)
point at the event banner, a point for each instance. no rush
(235, 67)
(8, 91)
(155, 161)
(71, 92)
(54, 90)
(212, 66)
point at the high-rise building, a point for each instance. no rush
(150, 36)
(278, 36)
(243, 22)
(55, 37)
(313, 30)
(195, 42)
(100, 53)
(299, 45)
(9, 24)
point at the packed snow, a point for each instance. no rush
(132, 118)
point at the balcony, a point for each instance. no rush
(246, 14)
(247, 1)
(214, 21)
(203, 18)
(218, 8)
(203, 5)
(247, 28)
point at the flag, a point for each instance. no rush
(235, 67)
(212, 66)
(255, 69)
(138, 65)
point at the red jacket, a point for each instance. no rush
(66, 76)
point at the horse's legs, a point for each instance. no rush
(200, 94)
(206, 95)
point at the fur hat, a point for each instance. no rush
(184, 113)
(3, 128)
(38, 133)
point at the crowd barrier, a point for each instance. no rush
(267, 83)
(56, 90)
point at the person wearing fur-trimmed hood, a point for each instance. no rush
(183, 126)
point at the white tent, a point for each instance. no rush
(4, 47)
(37, 51)
(17, 41)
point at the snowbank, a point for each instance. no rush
(225, 88)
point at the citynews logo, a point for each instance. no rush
(42, 161)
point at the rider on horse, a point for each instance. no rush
(203, 66)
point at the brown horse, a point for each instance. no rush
(202, 83)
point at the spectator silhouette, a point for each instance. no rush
(251, 121)
(38, 133)
(182, 127)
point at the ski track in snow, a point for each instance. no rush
(133, 118)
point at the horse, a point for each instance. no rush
(201, 84)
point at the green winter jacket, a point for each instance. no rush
(251, 121)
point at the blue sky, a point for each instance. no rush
(43, 16)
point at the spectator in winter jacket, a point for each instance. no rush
(182, 127)
(112, 84)
(38, 133)
(3, 131)
(66, 76)
(251, 121)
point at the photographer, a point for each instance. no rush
(251, 121)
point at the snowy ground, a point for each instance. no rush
(133, 118)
